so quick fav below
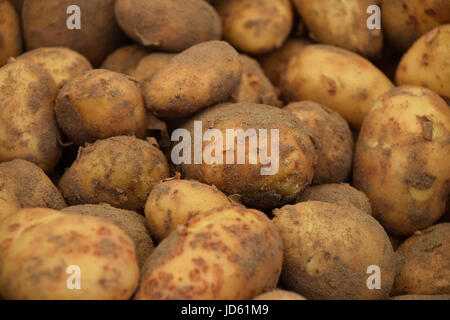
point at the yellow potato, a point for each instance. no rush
(8, 202)
(10, 36)
(125, 59)
(279, 295)
(150, 65)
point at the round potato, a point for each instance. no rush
(132, 223)
(173, 202)
(42, 250)
(125, 59)
(226, 254)
(328, 250)
(279, 294)
(28, 128)
(8, 202)
(53, 23)
(199, 77)
(150, 65)
(63, 64)
(268, 173)
(401, 159)
(30, 185)
(120, 171)
(332, 138)
(255, 27)
(426, 268)
(426, 63)
(10, 36)
(336, 78)
(169, 25)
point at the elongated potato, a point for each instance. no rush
(169, 25)
(199, 77)
(228, 253)
(427, 64)
(8, 202)
(336, 78)
(125, 59)
(279, 294)
(28, 128)
(401, 159)
(10, 38)
(150, 65)
(328, 249)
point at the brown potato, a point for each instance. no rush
(125, 59)
(8, 202)
(150, 65)
(120, 171)
(279, 294)
(422, 297)
(199, 77)
(17, 4)
(332, 138)
(10, 37)
(169, 25)
(426, 268)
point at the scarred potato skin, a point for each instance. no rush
(226, 254)
(101, 104)
(401, 159)
(120, 171)
(426, 63)
(332, 138)
(426, 268)
(279, 294)
(38, 245)
(199, 77)
(168, 25)
(150, 65)
(337, 78)
(125, 59)
(297, 155)
(328, 248)
(10, 37)
(255, 27)
(28, 127)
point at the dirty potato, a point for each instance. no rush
(422, 297)
(125, 59)
(10, 36)
(150, 65)
(279, 294)
(8, 202)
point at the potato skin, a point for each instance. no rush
(332, 138)
(426, 62)
(10, 36)
(149, 65)
(328, 248)
(336, 78)
(404, 21)
(125, 59)
(101, 104)
(401, 159)
(120, 171)
(44, 25)
(279, 294)
(226, 254)
(173, 202)
(63, 64)
(297, 155)
(30, 185)
(422, 297)
(8, 202)
(426, 268)
(255, 27)
(199, 77)
(169, 25)
(38, 245)
(132, 223)
(28, 130)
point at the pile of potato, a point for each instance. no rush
(93, 205)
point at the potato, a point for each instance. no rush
(342, 24)
(28, 128)
(150, 65)
(41, 246)
(125, 59)
(327, 251)
(263, 183)
(17, 4)
(63, 64)
(169, 25)
(226, 254)
(254, 86)
(404, 21)
(332, 138)
(101, 104)
(401, 159)
(132, 223)
(45, 24)
(8, 203)
(30, 185)
(255, 27)
(336, 78)
(120, 171)
(199, 77)
(10, 36)
(173, 202)
(276, 62)
(279, 294)
(422, 297)
(426, 268)
(426, 64)
(338, 193)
